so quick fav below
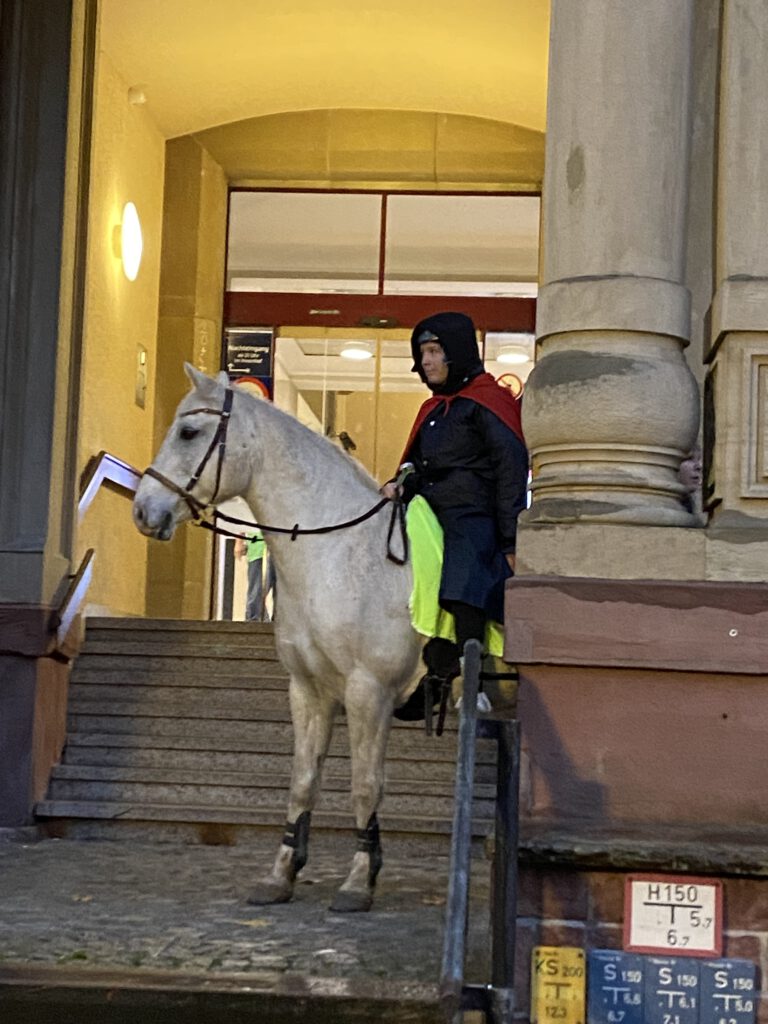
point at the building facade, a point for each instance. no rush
(638, 624)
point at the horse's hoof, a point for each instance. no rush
(270, 891)
(348, 901)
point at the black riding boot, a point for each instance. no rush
(442, 660)
(443, 666)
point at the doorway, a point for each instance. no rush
(323, 289)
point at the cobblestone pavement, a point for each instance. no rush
(134, 905)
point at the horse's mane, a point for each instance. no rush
(310, 438)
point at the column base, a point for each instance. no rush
(610, 551)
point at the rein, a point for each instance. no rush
(197, 507)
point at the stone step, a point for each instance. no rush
(217, 794)
(274, 679)
(398, 769)
(405, 744)
(223, 647)
(67, 775)
(242, 701)
(338, 836)
(270, 816)
(114, 626)
(149, 663)
(182, 729)
(123, 716)
(216, 726)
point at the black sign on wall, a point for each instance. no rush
(248, 352)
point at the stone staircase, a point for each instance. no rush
(180, 731)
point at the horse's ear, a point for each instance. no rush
(223, 378)
(199, 380)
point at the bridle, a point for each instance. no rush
(197, 507)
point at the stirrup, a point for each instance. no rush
(436, 690)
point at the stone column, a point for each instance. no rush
(611, 408)
(736, 422)
(41, 246)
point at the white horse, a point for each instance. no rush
(343, 632)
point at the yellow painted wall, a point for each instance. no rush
(128, 162)
(189, 328)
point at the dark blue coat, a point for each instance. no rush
(473, 471)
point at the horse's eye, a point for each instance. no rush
(187, 433)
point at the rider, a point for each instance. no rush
(471, 465)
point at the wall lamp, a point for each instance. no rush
(130, 243)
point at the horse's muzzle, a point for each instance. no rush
(160, 526)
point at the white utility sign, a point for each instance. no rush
(673, 914)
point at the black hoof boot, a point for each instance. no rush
(354, 901)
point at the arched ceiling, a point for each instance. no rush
(203, 63)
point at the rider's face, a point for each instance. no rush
(433, 362)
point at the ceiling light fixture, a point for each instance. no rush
(514, 355)
(358, 350)
(511, 347)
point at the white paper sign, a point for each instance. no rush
(673, 914)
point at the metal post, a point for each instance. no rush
(452, 975)
(504, 888)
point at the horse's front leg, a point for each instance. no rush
(369, 716)
(312, 716)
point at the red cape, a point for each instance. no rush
(482, 389)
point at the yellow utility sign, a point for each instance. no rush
(557, 985)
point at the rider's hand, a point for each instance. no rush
(391, 490)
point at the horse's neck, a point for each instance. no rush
(303, 479)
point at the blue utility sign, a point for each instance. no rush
(671, 990)
(614, 987)
(727, 992)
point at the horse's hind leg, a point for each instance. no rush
(312, 727)
(369, 715)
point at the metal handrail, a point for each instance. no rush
(495, 1000)
(106, 469)
(73, 598)
(101, 469)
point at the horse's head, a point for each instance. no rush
(192, 469)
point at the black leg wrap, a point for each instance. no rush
(368, 841)
(297, 837)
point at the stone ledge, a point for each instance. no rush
(647, 624)
(49, 992)
(635, 848)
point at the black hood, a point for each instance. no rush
(455, 332)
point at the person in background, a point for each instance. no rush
(471, 465)
(691, 477)
(254, 549)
